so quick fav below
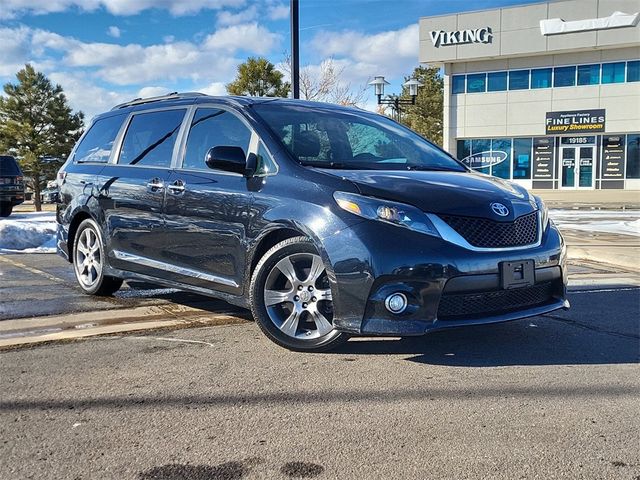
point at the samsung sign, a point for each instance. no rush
(474, 35)
(485, 159)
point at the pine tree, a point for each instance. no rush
(38, 126)
(425, 117)
(258, 77)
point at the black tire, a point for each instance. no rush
(296, 246)
(94, 282)
(5, 209)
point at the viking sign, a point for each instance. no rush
(484, 159)
(460, 37)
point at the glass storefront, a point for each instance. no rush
(565, 162)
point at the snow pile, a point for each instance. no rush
(625, 222)
(28, 232)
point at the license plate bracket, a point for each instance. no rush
(517, 274)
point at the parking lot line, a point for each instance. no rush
(48, 276)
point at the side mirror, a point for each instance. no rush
(227, 159)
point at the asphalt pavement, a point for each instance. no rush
(556, 396)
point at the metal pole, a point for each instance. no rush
(295, 49)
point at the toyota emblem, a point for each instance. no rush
(499, 209)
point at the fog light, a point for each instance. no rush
(396, 302)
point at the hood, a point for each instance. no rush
(452, 193)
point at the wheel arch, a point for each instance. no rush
(77, 219)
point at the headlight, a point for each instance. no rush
(398, 214)
(544, 212)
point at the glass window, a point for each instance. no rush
(497, 81)
(541, 78)
(265, 164)
(522, 158)
(633, 156)
(633, 71)
(351, 139)
(150, 138)
(613, 72)
(97, 143)
(519, 80)
(464, 149)
(588, 74)
(458, 84)
(213, 127)
(476, 83)
(501, 148)
(478, 146)
(564, 76)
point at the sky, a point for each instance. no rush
(104, 52)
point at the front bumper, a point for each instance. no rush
(446, 285)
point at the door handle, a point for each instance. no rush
(155, 185)
(177, 187)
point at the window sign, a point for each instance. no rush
(613, 147)
(543, 158)
(485, 159)
(590, 140)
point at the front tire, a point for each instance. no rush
(89, 261)
(291, 298)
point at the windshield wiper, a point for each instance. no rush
(433, 168)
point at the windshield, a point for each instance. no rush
(328, 138)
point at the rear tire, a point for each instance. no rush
(5, 209)
(291, 298)
(89, 261)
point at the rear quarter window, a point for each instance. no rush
(9, 167)
(97, 144)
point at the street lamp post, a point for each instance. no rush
(392, 100)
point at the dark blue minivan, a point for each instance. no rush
(326, 221)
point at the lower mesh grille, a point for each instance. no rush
(493, 303)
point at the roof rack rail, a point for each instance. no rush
(168, 96)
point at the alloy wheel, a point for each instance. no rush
(298, 297)
(88, 258)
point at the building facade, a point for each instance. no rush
(545, 94)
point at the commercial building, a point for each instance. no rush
(545, 94)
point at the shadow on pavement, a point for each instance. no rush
(601, 328)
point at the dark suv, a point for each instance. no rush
(325, 221)
(11, 185)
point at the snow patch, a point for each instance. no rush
(28, 232)
(626, 222)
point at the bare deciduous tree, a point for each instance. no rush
(323, 83)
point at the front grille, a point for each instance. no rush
(469, 305)
(486, 233)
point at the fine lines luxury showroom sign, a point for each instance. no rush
(576, 121)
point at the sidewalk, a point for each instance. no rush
(591, 199)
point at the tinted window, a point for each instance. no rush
(458, 84)
(633, 156)
(522, 158)
(588, 74)
(502, 169)
(351, 139)
(613, 72)
(464, 149)
(97, 144)
(541, 78)
(519, 80)
(479, 145)
(564, 76)
(150, 138)
(213, 127)
(497, 81)
(476, 83)
(9, 166)
(633, 71)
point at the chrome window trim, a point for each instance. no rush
(149, 262)
(448, 234)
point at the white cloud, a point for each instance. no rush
(278, 12)
(392, 53)
(215, 89)
(249, 37)
(146, 92)
(16, 8)
(15, 50)
(114, 31)
(228, 18)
